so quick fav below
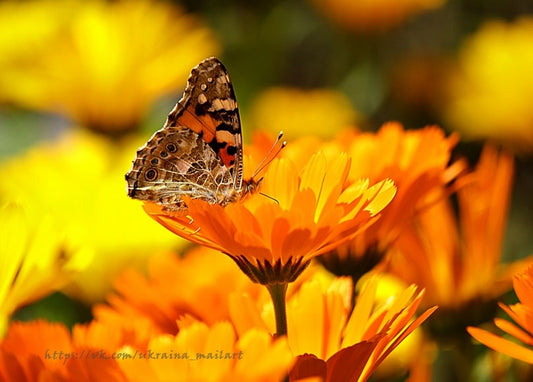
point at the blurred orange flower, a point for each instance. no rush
(459, 261)
(373, 16)
(40, 351)
(522, 314)
(176, 287)
(306, 213)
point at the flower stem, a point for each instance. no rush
(277, 292)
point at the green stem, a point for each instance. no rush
(277, 292)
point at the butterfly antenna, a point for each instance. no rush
(271, 155)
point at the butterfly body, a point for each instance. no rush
(198, 152)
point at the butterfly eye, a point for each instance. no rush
(171, 148)
(150, 175)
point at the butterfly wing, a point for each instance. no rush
(198, 152)
(209, 108)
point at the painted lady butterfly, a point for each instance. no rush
(198, 152)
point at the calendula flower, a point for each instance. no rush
(273, 238)
(88, 63)
(373, 16)
(35, 260)
(27, 352)
(38, 351)
(79, 178)
(303, 112)
(417, 161)
(213, 354)
(341, 344)
(176, 287)
(522, 314)
(491, 95)
(458, 261)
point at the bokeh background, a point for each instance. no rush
(84, 83)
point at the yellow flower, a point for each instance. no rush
(318, 112)
(327, 335)
(78, 182)
(373, 16)
(214, 354)
(35, 260)
(522, 314)
(101, 64)
(491, 95)
(306, 213)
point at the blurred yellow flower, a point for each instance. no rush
(78, 181)
(491, 95)
(215, 354)
(298, 112)
(34, 260)
(373, 15)
(522, 314)
(101, 64)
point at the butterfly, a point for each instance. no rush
(198, 152)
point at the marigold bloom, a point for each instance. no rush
(83, 64)
(372, 16)
(81, 191)
(302, 112)
(214, 354)
(491, 95)
(522, 314)
(35, 260)
(458, 261)
(38, 351)
(27, 352)
(417, 161)
(273, 238)
(341, 344)
(176, 287)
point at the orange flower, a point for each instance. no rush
(373, 16)
(337, 345)
(27, 351)
(458, 262)
(327, 335)
(40, 351)
(175, 287)
(306, 213)
(522, 314)
(417, 161)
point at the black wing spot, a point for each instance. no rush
(163, 154)
(232, 150)
(151, 175)
(154, 161)
(171, 148)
